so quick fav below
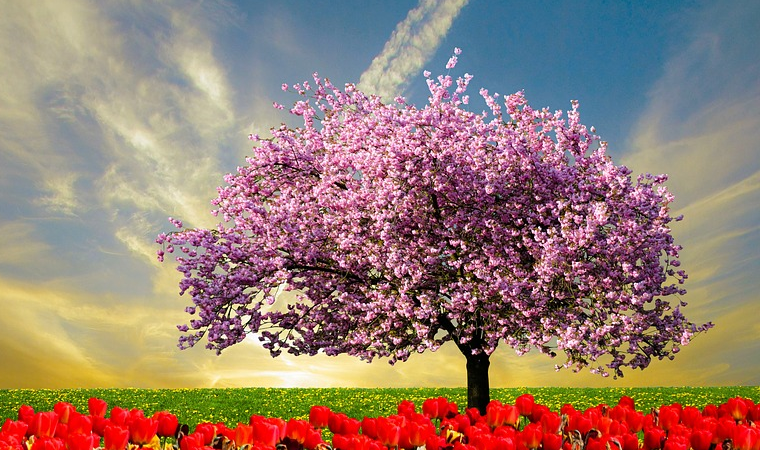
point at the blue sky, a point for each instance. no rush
(115, 115)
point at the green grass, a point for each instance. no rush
(231, 406)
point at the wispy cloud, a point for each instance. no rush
(411, 45)
(19, 244)
(702, 127)
(133, 121)
(112, 116)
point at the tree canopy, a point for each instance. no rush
(401, 228)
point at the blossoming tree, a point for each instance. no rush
(401, 228)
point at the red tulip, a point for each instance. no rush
(142, 430)
(119, 416)
(48, 443)
(9, 442)
(388, 432)
(680, 430)
(97, 407)
(653, 438)
(511, 415)
(725, 429)
(335, 422)
(435, 442)
(61, 431)
(79, 424)
(167, 423)
(26, 414)
(618, 428)
(297, 430)
(341, 442)
(63, 409)
(603, 425)
(406, 408)
(460, 423)
(550, 423)
(369, 427)
(551, 441)
(313, 439)
(438, 408)
(243, 435)
(598, 443)
(634, 420)
(476, 429)
(99, 425)
(593, 414)
(668, 417)
(192, 441)
(581, 423)
(115, 437)
(627, 402)
(483, 441)
(495, 414)
(355, 442)
(351, 426)
(207, 430)
(504, 443)
(690, 416)
(473, 414)
(266, 432)
(15, 428)
(753, 413)
(710, 410)
(567, 410)
(367, 444)
(701, 439)
(618, 413)
(746, 438)
(282, 426)
(629, 441)
(81, 441)
(525, 404)
(648, 422)
(506, 431)
(676, 444)
(737, 407)
(224, 431)
(418, 433)
(531, 435)
(134, 414)
(319, 416)
(44, 424)
(538, 412)
(430, 408)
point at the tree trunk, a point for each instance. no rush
(478, 386)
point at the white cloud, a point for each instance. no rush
(19, 244)
(152, 102)
(702, 127)
(411, 45)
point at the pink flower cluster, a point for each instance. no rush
(401, 228)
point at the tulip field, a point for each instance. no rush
(320, 419)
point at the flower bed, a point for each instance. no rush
(437, 425)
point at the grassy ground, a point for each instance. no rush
(231, 406)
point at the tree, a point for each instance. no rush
(401, 228)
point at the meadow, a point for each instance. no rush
(230, 406)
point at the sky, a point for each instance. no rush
(116, 115)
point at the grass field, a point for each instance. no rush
(231, 406)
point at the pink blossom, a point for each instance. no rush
(400, 228)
